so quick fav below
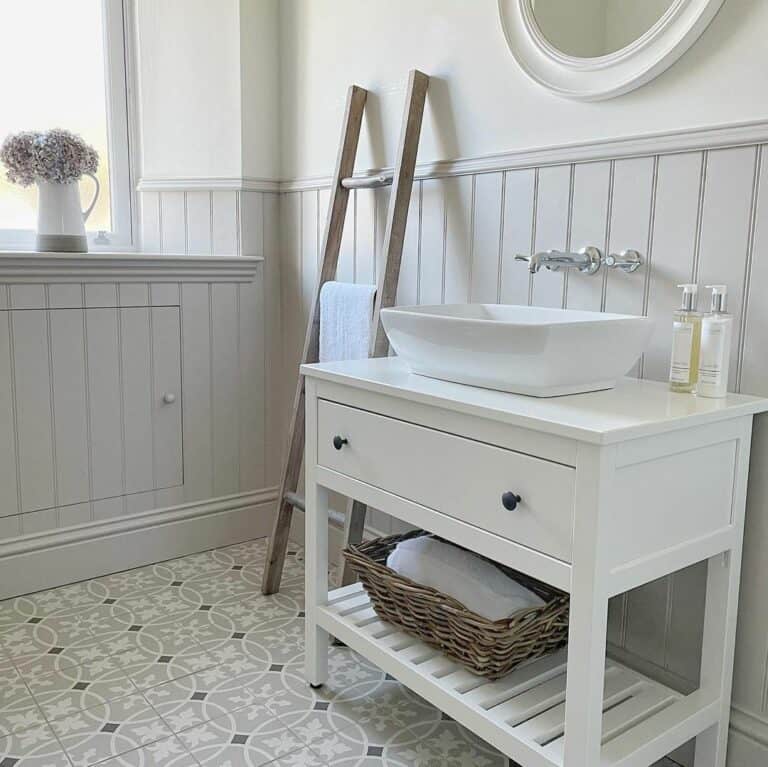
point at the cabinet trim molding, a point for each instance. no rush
(28, 267)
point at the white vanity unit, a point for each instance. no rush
(617, 488)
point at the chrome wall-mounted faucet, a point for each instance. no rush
(588, 260)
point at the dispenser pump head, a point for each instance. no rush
(719, 298)
(690, 290)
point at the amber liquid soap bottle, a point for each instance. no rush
(686, 343)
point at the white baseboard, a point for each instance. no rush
(44, 560)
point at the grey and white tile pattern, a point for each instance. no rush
(186, 664)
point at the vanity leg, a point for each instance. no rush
(588, 617)
(316, 554)
(586, 675)
(717, 653)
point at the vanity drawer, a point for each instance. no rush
(459, 477)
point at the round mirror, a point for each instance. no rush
(595, 49)
(592, 28)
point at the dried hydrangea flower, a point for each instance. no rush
(55, 155)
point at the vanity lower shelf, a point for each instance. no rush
(523, 713)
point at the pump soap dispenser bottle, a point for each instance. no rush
(686, 343)
(716, 332)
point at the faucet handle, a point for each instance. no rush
(628, 261)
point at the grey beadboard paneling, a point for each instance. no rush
(695, 215)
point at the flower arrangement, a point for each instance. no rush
(56, 155)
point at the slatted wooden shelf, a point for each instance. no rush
(522, 714)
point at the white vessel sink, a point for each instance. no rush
(521, 349)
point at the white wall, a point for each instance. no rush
(480, 102)
(208, 75)
(259, 73)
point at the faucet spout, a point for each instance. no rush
(587, 260)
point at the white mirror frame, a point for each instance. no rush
(615, 73)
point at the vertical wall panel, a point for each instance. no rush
(674, 242)
(754, 374)
(432, 265)
(408, 287)
(552, 215)
(519, 201)
(173, 215)
(70, 407)
(33, 403)
(725, 231)
(166, 420)
(199, 223)
(9, 502)
(225, 330)
(28, 297)
(137, 398)
(133, 294)
(252, 223)
(365, 236)
(345, 270)
(633, 190)
(226, 224)
(251, 386)
(65, 296)
(150, 221)
(589, 220)
(275, 340)
(196, 400)
(309, 251)
(458, 205)
(486, 234)
(105, 406)
(292, 316)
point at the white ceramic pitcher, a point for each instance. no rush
(60, 221)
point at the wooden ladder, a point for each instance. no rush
(401, 181)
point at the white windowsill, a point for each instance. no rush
(34, 267)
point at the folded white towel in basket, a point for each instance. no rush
(467, 577)
(346, 311)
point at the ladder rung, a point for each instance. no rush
(295, 500)
(368, 182)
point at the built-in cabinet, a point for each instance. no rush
(124, 380)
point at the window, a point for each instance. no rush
(64, 65)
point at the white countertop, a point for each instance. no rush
(633, 409)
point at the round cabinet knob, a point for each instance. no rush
(339, 442)
(509, 500)
(169, 398)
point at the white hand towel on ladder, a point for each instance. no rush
(346, 311)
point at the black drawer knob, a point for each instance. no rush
(339, 442)
(510, 500)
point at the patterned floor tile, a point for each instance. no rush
(245, 738)
(93, 735)
(18, 710)
(169, 752)
(203, 696)
(133, 581)
(156, 606)
(448, 744)
(378, 717)
(148, 669)
(36, 747)
(77, 688)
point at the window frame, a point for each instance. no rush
(122, 134)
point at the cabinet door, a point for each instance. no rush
(90, 405)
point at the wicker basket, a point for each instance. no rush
(489, 648)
